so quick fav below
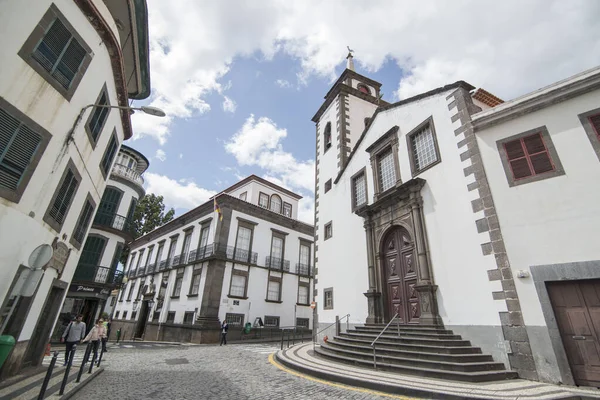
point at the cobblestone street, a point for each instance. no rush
(235, 371)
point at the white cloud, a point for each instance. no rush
(282, 83)
(229, 105)
(258, 143)
(160, 155)
(177, 194)
(306, 210)
(180, 156)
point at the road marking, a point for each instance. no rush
(337, 385)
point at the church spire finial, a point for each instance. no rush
(350, 58)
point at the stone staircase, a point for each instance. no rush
(423, 350)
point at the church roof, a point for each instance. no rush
(455, 85)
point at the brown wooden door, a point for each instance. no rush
(400, 275)
(577, 309)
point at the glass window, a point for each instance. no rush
(186, 246)
(263, 200)
(243, 196)
(178, 282)
(287, 210)
(277, 248)
(275, 204)
(423, 147)
(196, 276)
(360, 190)
(234, 319)
(304, 254)
(303, 294)
(243, 238)
(188, 317)
(387, 172)
(83, 222)
(271, 321)
(273, 291)
(238, 286)
(109, 155)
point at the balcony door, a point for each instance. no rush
(108, 206)
(90, 259)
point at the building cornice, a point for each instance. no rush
(264, 182)
(113, 47)
(545, 97)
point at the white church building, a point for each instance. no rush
(453, 208)
(250, 262)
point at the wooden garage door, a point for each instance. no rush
(577, 309)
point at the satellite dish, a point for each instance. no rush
(40, 256)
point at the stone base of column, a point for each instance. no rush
(429, 307)
(208, 323)
(373, 300)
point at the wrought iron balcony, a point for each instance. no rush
(278, 264)
(176, 261)
(96, 274)
(228, 252)
(162, 265)
(113, 221)
(303, 269)
(130, 174)
(150, 268)
(131, 273)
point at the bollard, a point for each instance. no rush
(118, 335)
(100, 358)
(92, 362)
(48, 376)
(84, 361)
(67, 370)
(294, 339)
(288, 335)
(282, 339)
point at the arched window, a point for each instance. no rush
(327, 136)
(275, 204)
(363, 88)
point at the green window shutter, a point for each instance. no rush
(83, 222)
(116, 257)
(99, 116)
(18, 145)
(64, 197)
(92, 251)
(60, 53)
(109, 155)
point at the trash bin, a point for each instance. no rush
(247, 328)
(7, 343)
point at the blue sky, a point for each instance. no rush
(240, 81)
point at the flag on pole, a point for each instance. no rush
(218, 209)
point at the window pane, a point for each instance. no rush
(360, 190)
(303, 294)
(238, 285)
(541, 163)
(204, 236)
(424, 148)
(534, 144)
(64, 197)
(304, 255)
(243, 238)
(263, 200)
(514, 149)
(52, 45)
(387, 172)
(277, 248)
(195, 284)
(273, 291)
(287, 210)
(275, 203)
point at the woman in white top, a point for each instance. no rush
(97, 333)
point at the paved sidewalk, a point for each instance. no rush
(301, 358)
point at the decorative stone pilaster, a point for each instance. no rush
(374, 307)
(430, 314)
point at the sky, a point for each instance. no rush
(241, 80)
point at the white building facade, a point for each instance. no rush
(415, 211)
(198, 270)
(96, 275)
(59, 59)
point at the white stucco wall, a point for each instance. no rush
(22, 227)
(459, 267)
(554, 220)
(359, 110)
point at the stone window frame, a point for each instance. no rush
(138, 264)
(261, 194)
(28, 48)
(306, 243)
(327, 291)
(592, 134)
(327, 133)
(73, 240)
(187, 234)
(132, 288)
(171, 317)
(279, 280)
(160, 249)
(175, 294)
(149, 255)
(273, 317)
(353, 178)
(57, 226)
(328, 185)
(185, 317)
(114, 137)
(244, 223)
(388, 141)
(15, 195)
(246, 276)
(302, 325)
(548, 143)
(291, 208)
(409, 145)
(279, 235)
(196, 271)
(280, 211)
(124, 314)
(172, 246)
(204, 227)
(328, 225)
(88, 131)
(307, 286)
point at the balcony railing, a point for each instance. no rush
(131, 273)
(96, 274)
(128, 173)
(278, 264)
(228, 252)
(303, 269)
(113, 221)
(162, 265)
(150, 268)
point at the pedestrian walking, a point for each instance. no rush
(95, 336)
(73, 334)
(107, 323)
(224, 328)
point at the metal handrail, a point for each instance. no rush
(381, 333)
(329, 326)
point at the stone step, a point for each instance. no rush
(394, 351)
(424, 348)
(415, 362)
(394, 332)
(411, 340)
(476, 376)
(407, 328)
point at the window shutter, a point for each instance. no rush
(64, 197)
(540, 159)
(92, 251)
(111, 150)
(18, 145)
(69, 63)
(595, 121)
(52, 45)
(98, 117)
(84, 221)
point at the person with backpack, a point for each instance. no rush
(74, 333)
